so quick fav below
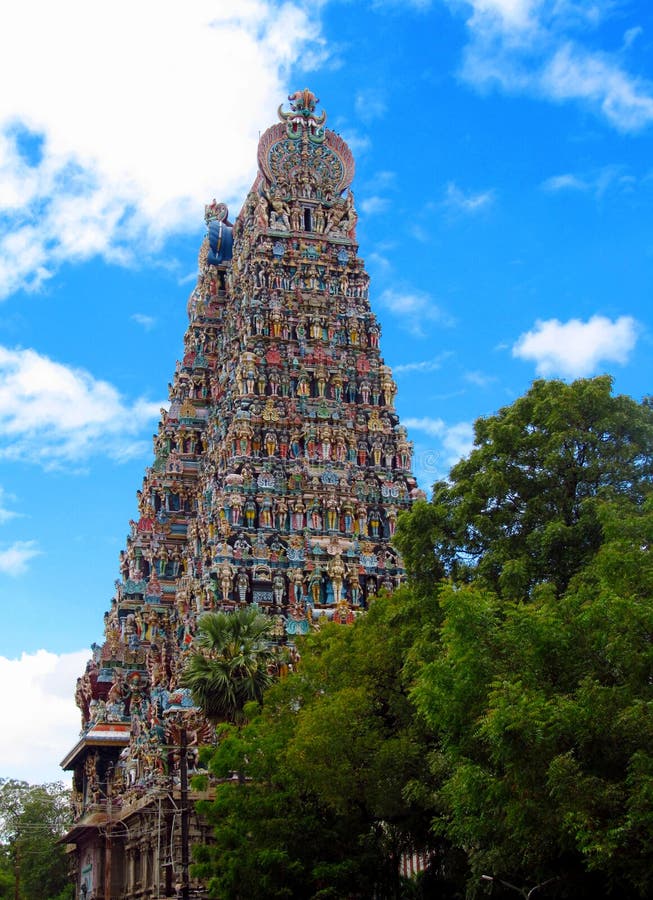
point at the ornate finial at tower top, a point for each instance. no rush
(215, 211)
(302, 116)
(303, 101)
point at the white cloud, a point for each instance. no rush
(373, 205)
(538, 47)
(381, 262)
(575, 74)
(453, 442)
(50, 413)
(479, 379)
(370, 105)
(14, 559)
(128, 151)
(598, 181)
(575, 348)
(565, 182)
(506, 14)
(414, 308)
(40, 720)
(148, 322)
(6, 514)
(426, 365)
(468, 202)
(631, 35)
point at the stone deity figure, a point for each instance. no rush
(391, 514)
(225, 576)
(281, 514)
(374, 521)
(354, 585)
(297, 517)
(278, 589)
(296, 577)
(83, 697)
(336, 570)
(271, 443)
(250, 513)
(262, 212)
(348, 517)
(279, 213)
(332, 514)
(265, 518)
(242, 585)
(316, 515)
(315, 586)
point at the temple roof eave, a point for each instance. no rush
(113, 735)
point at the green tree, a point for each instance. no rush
(230, 662)
(522, 508)
(543, 714)
(316, 805)
(32, 819)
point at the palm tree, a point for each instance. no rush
(229, 662)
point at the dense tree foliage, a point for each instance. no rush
(33, 864)
(522, 507)
(495, 713)
(543, 718)
(230, 662)
(314, 803)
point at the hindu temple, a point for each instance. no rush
(280, 467)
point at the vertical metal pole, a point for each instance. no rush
(17, 873)
(183, 775)
(158, 853)
(107, 849)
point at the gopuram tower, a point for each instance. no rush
(280, 469)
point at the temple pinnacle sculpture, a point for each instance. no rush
(280, 469)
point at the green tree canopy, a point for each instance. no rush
(521, 509)
(543, 714)
(32, 819)
(318, 807)
(230, 662)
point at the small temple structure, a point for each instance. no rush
(280, 468)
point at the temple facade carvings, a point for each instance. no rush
(280, 468)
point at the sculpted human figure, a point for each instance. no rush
(316, 515)
(262, 212)
(83, 697)
(297, 517)
(315, 586)
(278, 589)
(332, 513)
(250, 513)
(296, 578)
(354, 585)
(279, 213)
(350, 216)
(336, 570)
(281, 514)
(242, 585)
(265, 516)
(374, 521)
(225, 575)
(348, 516)
(270, 443)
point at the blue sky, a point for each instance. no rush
(504, 187)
